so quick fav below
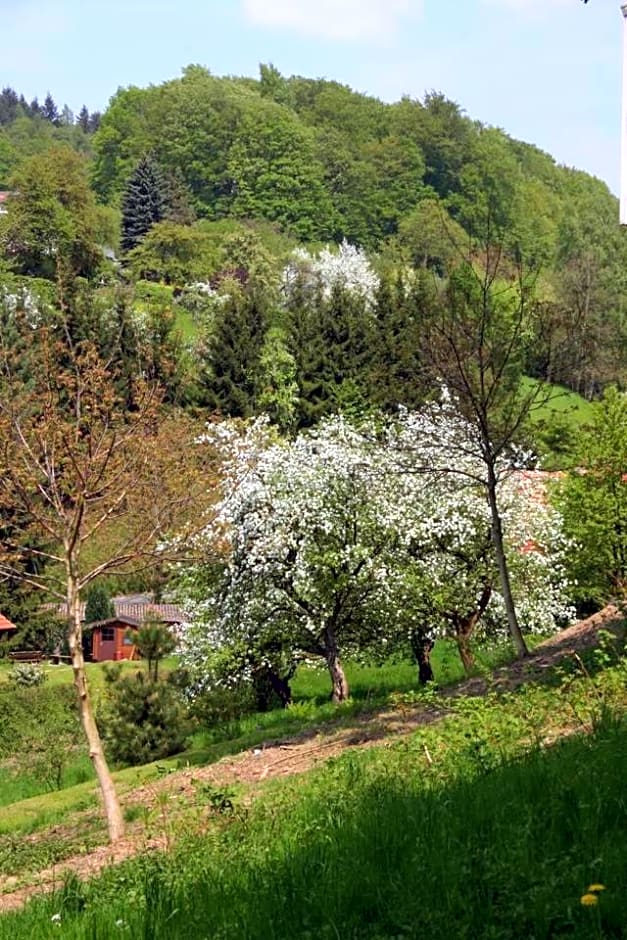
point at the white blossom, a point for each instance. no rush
(347, 267)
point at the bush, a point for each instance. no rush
(27, 674)
(143, 720)
(40, 729)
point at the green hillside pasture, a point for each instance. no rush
(564, 402)
(465, 829)
(555, 424)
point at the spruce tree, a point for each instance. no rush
(99, 605)
(331, 341)
(83, 119)
(396, 376)
(177, 198)
(143, 203)
(234, 352)
(49, 110)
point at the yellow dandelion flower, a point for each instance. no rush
(589, 900)
(596, 887)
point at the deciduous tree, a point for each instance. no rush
(99, 486)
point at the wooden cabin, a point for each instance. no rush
(108, 640)
(112, 640)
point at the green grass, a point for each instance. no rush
(62, 674)
(464, 830)
(372, 687)
(563, 402)
(15, 787)
(186, 324)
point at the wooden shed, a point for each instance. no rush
(112, 639)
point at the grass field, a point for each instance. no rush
(564, 403)
(471, 828)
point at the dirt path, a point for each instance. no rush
(299, 754)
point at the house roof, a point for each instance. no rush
(5, 623)
(138, 607)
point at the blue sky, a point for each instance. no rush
(547, 71)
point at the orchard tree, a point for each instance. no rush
(451, 565)
(334, 545)
(98, 488)
(309, 553)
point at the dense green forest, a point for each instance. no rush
(243, 170)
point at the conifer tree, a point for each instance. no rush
(331, 341)
(396, 375)
(176, 196)
(143, 203)
(83, 119)
(234, 353)
(98, 605)
(50, 110)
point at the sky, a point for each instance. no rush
(546, 71)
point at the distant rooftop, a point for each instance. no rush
(138, 607)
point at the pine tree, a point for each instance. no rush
(99, 605)
(83, 119)
(234, 352)
(143, 203)
(49, 110)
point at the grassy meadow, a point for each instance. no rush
(490, 823)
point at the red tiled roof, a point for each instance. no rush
(5, 623)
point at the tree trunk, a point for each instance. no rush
(463, 626)
(339, 685)
(113, 812)
(465, 652)
(281, 688)
(501, 560)
(421, 646)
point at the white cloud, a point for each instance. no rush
(333, 19)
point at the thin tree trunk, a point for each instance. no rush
(281, 687)
(113, 812)
(501, 560)
(339, 685)
(463, 626)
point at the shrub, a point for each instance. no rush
(143, 720)
(27, 674)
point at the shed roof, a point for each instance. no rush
(140, 607)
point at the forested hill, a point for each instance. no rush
(417, 184)
(329, 163)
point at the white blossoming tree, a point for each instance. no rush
(347, 269)
(352, 542)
